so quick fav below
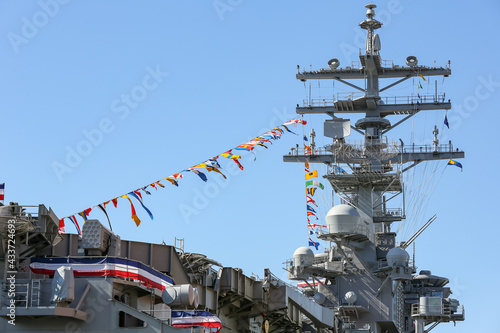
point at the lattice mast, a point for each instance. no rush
(376, 165)
(367, 281)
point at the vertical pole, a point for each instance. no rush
(384, 205)
(28, 294)
(435, 90)
(413, 254)
(309, 103)
(404, 203)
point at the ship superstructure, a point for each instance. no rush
(364, 278)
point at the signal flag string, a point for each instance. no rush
(209, 165)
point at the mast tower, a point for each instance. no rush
(365, 258)
(376, 165)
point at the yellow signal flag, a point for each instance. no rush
(311, 174)
(307, 165)
(422, 77)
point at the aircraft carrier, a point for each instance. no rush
(364, 281)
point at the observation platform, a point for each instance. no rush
(398, 154)
(385, 69)
(389, 105)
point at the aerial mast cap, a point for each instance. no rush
(370, 13)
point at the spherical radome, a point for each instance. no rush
(397, 256)
(342, 219)
(343, 209)
(303, 256)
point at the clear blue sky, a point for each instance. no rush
(224, 72)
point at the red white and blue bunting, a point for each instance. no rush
(196, 319)
(109, 266)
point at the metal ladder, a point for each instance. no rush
(35, 293)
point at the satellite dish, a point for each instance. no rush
(412, 61)
(333, 63)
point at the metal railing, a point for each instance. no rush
(318, 102)
(397, 212)
(387, 100)
(413, 99)
(22, 294)
(276, 281)
(25, 218)
(322, 231)
(331, 100)
(351, 200)
(361, 148)
(387, 63)
(443, 148)
(416, 310)
(305, 151)
(357, 65)
(320, 260)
